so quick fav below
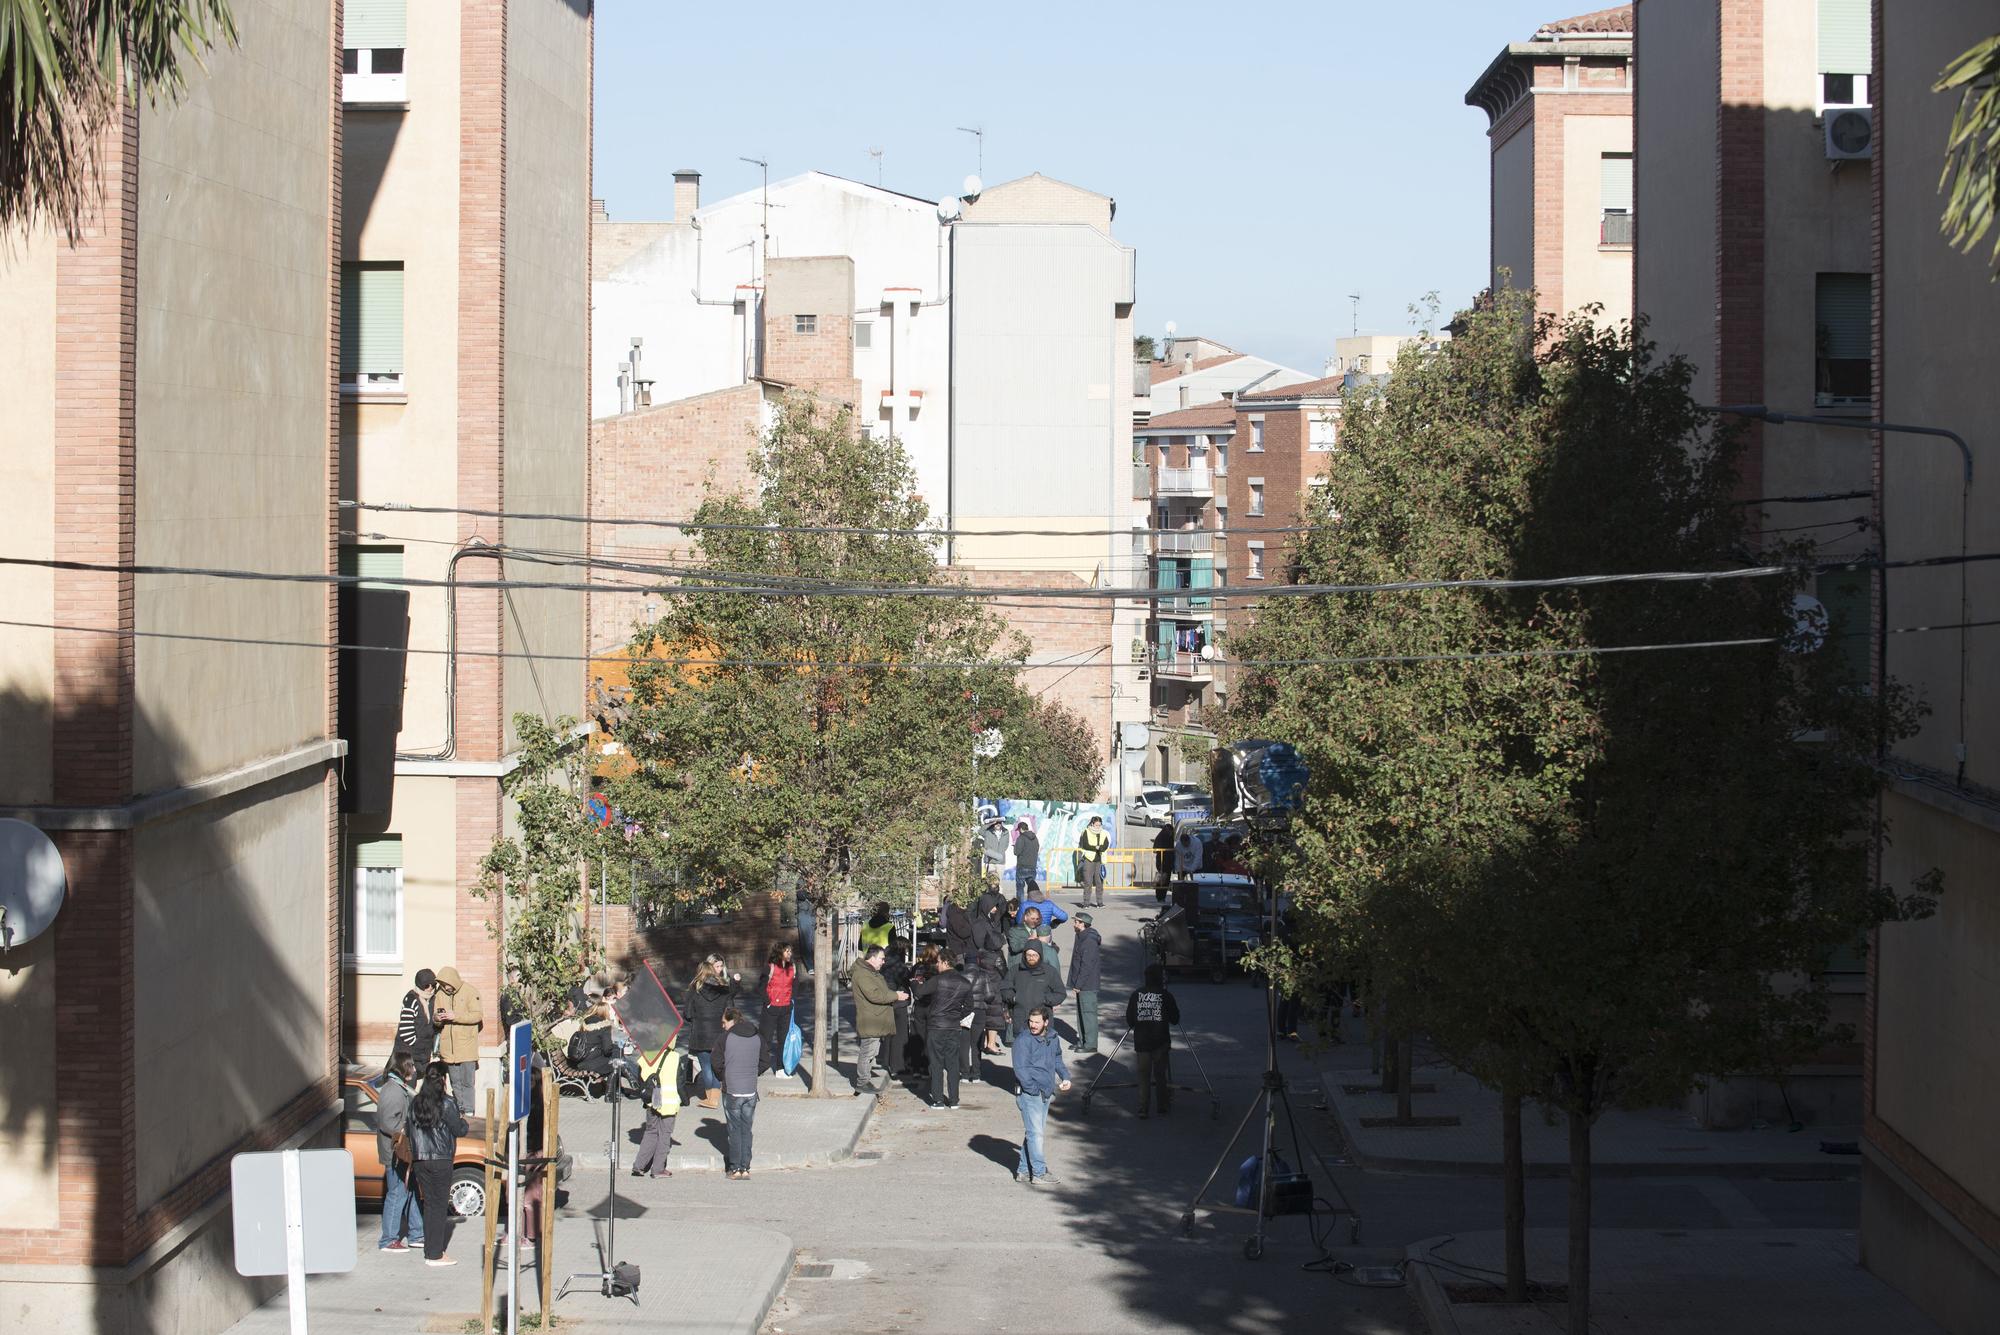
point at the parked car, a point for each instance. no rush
(1152, 805)
(468, 1163)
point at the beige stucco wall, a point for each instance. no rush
(27, 511)
(1592, 273)
(1514, 208)
(1937, 1065)
(1675, 88)
(29, 1171)
(547, 314)
(231, 396)
(426, 815)
(1038, 198)
(400, 202)
(229, 973)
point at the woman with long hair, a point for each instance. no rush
(780, 975)
(708, 995)
(435, 1125)
(402, 1217)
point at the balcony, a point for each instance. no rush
(1184, 542)
(1181, 665)
(1186, 482)
(1615, 230)
(1142, 482)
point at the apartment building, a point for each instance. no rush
(1192, 372)
(1930, 1204)
(464, 266)
(990, 333)
(1559, 116)
(170, 401)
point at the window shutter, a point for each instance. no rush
(1846, 595)
(371, 320)
(1616, 182)
(1843, 37)
(371, 24)
(372, 563)
(1843, 311)
(379, 853)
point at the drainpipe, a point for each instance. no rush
(473, 547)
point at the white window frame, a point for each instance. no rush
(1314, 444)
(1861, 92)
(377, 962)
(1256, 435)
(1256, 570)
(805, 324)
(1221, 468)
(365, 88)
(1256, 504)
(864, 333)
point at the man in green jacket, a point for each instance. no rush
(874, 1018)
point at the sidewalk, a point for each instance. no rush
(1647, 1141)
(1668, 1282)
(697, 1279)
(792, 1130)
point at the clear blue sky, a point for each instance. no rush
(1268, 158)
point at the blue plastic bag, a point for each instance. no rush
(795, 1043)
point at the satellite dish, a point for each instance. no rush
(32, 883)
(1809, 624)
(1208, 653)
(948, 209)
(971, 188)
(1134, 736)
(1172, 328)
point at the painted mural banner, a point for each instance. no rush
(1057, 825)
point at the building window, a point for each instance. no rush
(1256, 433)
(371, 329)
(1320, 433)
(1256, 570)
(1843, 340)
(1844, 56)
(377, 926)
(372, 32)
(1615, 199)
(1221, 458)
(805, 324)
(377, 566)
(864, 333)
(1846, 596)
(1256, 496)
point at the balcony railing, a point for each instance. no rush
(1186, 482)
(1615, 230)
(1184, 542)
(1183, 664)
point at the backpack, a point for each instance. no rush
(684, 1079)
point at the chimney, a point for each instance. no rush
(687, 194)
(598, 213)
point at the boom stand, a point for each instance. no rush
(607, 1247)
(1268, 1099)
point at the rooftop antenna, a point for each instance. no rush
(876, 154)
(1354, 309)
(978, 132)
(764, 251)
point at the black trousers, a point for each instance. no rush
(899, 1055)
(947, 1057)
(433, 1182)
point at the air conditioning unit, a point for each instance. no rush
(1850, 133)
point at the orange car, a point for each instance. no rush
(468, 1164)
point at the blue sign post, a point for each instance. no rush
(520, 1069)
(520, 1093)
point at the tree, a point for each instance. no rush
(1048, 752)
(1143, 347)
(1971, 178)
(806, 735)
(64, 65)
(1593, 878)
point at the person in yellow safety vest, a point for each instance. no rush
(660, 1082)
(878, 929)
(1091, 846)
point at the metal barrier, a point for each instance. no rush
(1124, 868)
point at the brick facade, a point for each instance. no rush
(1739, 226)
(1078, 633)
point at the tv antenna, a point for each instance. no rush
(763, 251)
(876, 154)
(1354, 309)
(978, 132)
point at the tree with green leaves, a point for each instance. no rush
(1593, 878)
(1971, 179)
(808, 737)
(64, 65)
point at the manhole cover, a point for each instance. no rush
(813, 1271)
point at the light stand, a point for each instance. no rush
(612, 1278)
(1272, 1094)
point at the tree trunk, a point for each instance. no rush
(1579, 1224)
(1514, 1208)
(823, 1023)
(1406, 1060)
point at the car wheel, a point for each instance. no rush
(468, 1193)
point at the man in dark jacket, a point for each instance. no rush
(989, 1011)
(1027, 859)
(742, 1045)
(416, 1027)
(1151, 1013)
(1039, 1075)
(1086, 953)
(1031, 983)
(957, 928)
(949, 994)
(1163, 862)
(874, 1017)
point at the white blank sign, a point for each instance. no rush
(326, 1211)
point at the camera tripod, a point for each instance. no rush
(608, 1278)
(1214, 1100)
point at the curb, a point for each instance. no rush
(1424, 1286)
(1834, 1171)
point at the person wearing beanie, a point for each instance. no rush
(1086, 955)
(1032, 983)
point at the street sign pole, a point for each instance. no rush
(520, 1085)
(295, 1242)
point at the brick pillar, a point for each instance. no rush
(96, 341)
(1739, 228)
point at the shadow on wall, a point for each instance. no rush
(123, 1095)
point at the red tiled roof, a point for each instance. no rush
(1309, 389)
(1164, 371)
(1209, 415)
(1618, 18)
